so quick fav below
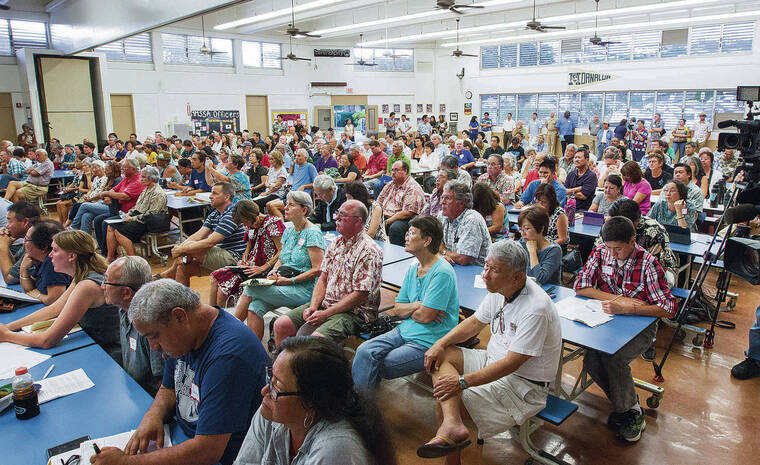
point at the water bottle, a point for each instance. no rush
(570, 211)
(24, 395)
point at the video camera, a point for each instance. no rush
(747, 140)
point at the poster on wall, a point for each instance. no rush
(207, 121)
(397, 107)
(468, 108)
(291, 117)
(357, 114)
(407, 108)
(419, 108)
(442, 108)
(386, 108)
(429, 108)
(454, 117)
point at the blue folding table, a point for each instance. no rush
(70, 342)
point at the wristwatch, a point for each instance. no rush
(462, 383)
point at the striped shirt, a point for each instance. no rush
(234, 234)
(17, 168)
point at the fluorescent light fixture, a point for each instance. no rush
(613, 28)
(275, 14)
(424, 14)
(612, 12)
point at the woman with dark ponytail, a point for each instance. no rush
(311, 412)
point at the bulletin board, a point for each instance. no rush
(205, 122)
(291, 117)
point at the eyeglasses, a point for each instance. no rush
(273, 390)
(106, 283)
(342, 216)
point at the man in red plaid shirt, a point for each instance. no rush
(628, 280)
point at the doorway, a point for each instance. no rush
(123, 115)
(7, 122)
(256, 110)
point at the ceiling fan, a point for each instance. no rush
(361, 61)
(536, 25)
(292, 56)
(205, 49)
(596, 40)
(292, 30)
(452, 6)
(458, 53)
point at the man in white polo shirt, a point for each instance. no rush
(508, 383)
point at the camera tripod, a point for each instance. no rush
(724, 279)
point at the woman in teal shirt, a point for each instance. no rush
(297, 270)
(428, 301)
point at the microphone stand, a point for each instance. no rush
(724, 278)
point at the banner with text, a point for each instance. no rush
(579, 78)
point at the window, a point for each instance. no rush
(641, 106)
(391, 59)
(697, 102)
(646, 45)
(725, 102)
(549, 53)
(489, 57)
(490, 104)
(15, 34)
(547, 104)
(673, 43)
(704, 40)
(508, 56)
(526, 105)
(507, 104)
(529, 54)
(593, 53)
(670, 107)
(571, 102)
(737, 37)
(591, 104)
(136, 48)
(183, 49)
(621, 50)
(571, 50)
(261, 55)
(615, 107)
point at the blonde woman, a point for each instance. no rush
(73, 253)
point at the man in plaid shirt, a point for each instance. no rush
(628, 280)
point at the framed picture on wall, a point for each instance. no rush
(429, 108)
(419, 108)
(385, 108)
(397, 107)
(442, 108)
(454, 117)
(407, 108)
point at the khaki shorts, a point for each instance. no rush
(499, 405)
(337, 327)
(33, 191)
(218, 257)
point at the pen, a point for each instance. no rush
(48, 371)
(97, 449)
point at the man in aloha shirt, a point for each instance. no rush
(498, 180)
(401, 200)
(347, 292)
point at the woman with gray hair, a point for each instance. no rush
(149, 213)
(292, 279)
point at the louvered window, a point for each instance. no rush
(572, 50)
(182, 49)
(704, 40)
(5, 38)
(391, 59)
(593, 53)
(725, 102)
(670, 107)
(549, 53)
(508, 56)
(490, 104)
(526, 105)
(507, 104)
(641, 106)
(263, 55)
(646, 45)
(674, 43)
(529, 54)
(737, 37)
(621, 50)
(489, 57)
(547, 103)
(136, 48)
(697, 102)
(28, 34)
(571, 103)
(615, 107)
(591, 104)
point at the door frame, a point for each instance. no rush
(266, 113)
(131, 106)
(323, 107)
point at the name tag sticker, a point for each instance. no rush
(195, 393)
(685, 211)
(607, 269)
(132, 344)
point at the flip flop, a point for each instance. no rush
(433, 451)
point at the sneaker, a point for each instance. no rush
(649, 354)
(633, 426)
(616, 420)
(749, 368)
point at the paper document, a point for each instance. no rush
(42, 326)
(118, 440)
(63, 385)
(114, 221)
(6, 293)
(479, 282)
(14, 357)
(588, 312)
(258, 282)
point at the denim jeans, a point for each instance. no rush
(6, 179)
(600, 148)
(87, 212)
(387, 356)
(754, 338)
(100, 227)
(678, 150)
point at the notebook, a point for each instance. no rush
(593, 218)
(678, 234)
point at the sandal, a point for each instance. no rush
(433, 451)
